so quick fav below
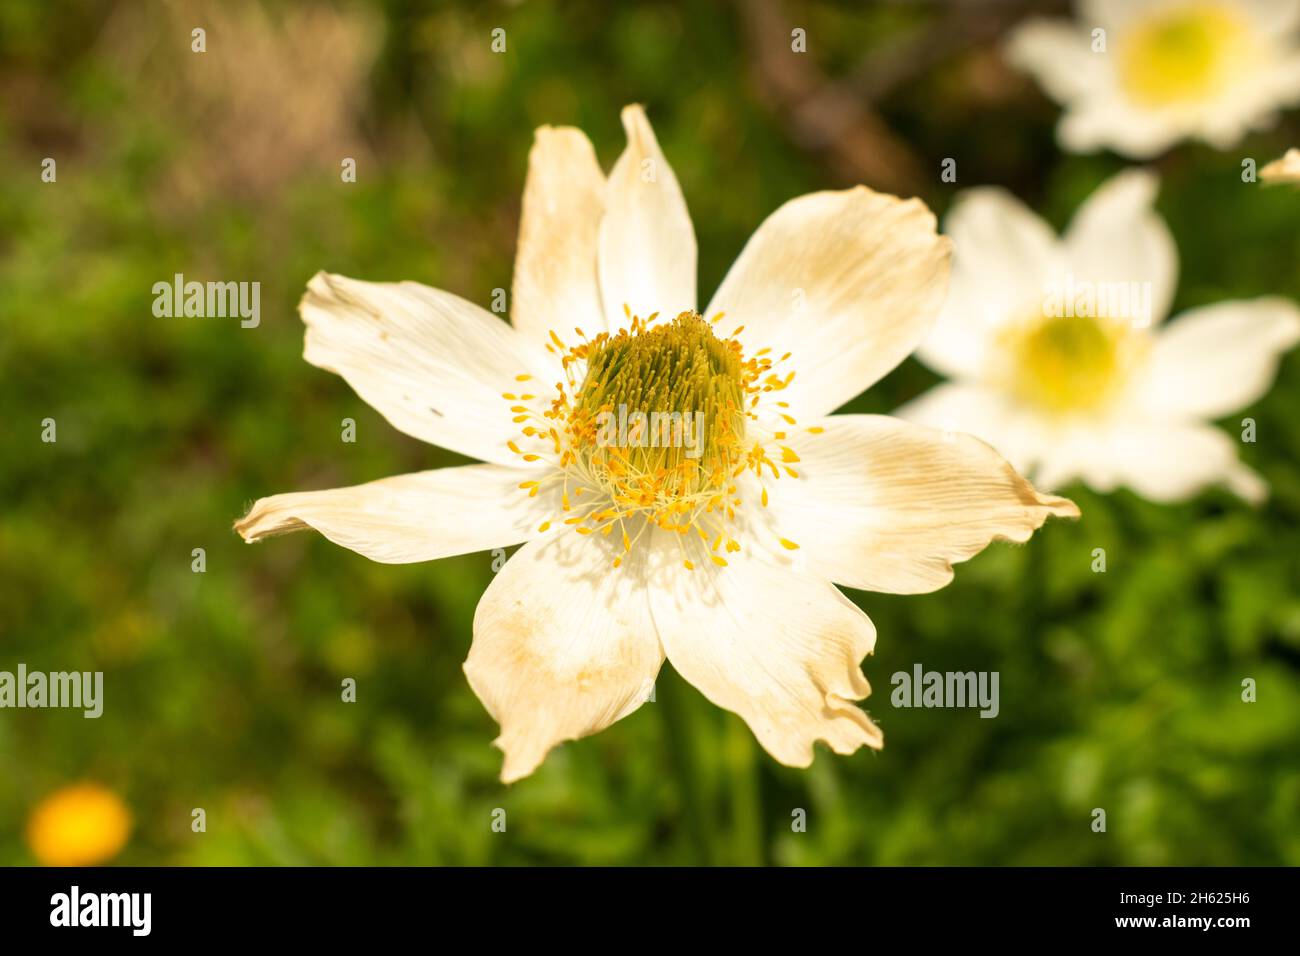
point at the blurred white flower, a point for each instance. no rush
(1284, 170)
(1137, 76)
(724, 561)
(1059, 359)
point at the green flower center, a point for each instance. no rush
(648, 430)
(665, 404)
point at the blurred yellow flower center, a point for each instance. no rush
(81, 825)
(649, 430)
(1065, 363)
(1181, 55)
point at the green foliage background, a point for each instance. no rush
(1119, 690)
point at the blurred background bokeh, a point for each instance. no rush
(1119, 690)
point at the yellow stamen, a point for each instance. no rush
(650, 423)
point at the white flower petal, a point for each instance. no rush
(1115, 13)
(1215, 360)
(1162, 461)
(1277, 17)
(1286, 169)
(1253, 102)
(1058, 54)
(1015, 432)
(1004, 256)
(563, 645)
(849, 282)
(556, 285)
(407, 518)
(1107, 120)
(1118, 237)
(886, 505)
(431, 363)
(647, 243)
(779, 647)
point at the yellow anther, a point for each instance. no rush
(647, 478)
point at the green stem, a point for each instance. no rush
(681, 731)
(746, 803)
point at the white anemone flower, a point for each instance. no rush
(719, 551)
(1138, 76)
(1059, 359)
(1283, 170)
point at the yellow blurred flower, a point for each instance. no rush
(1060, 357)
(1138, 76)
(80, 825)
